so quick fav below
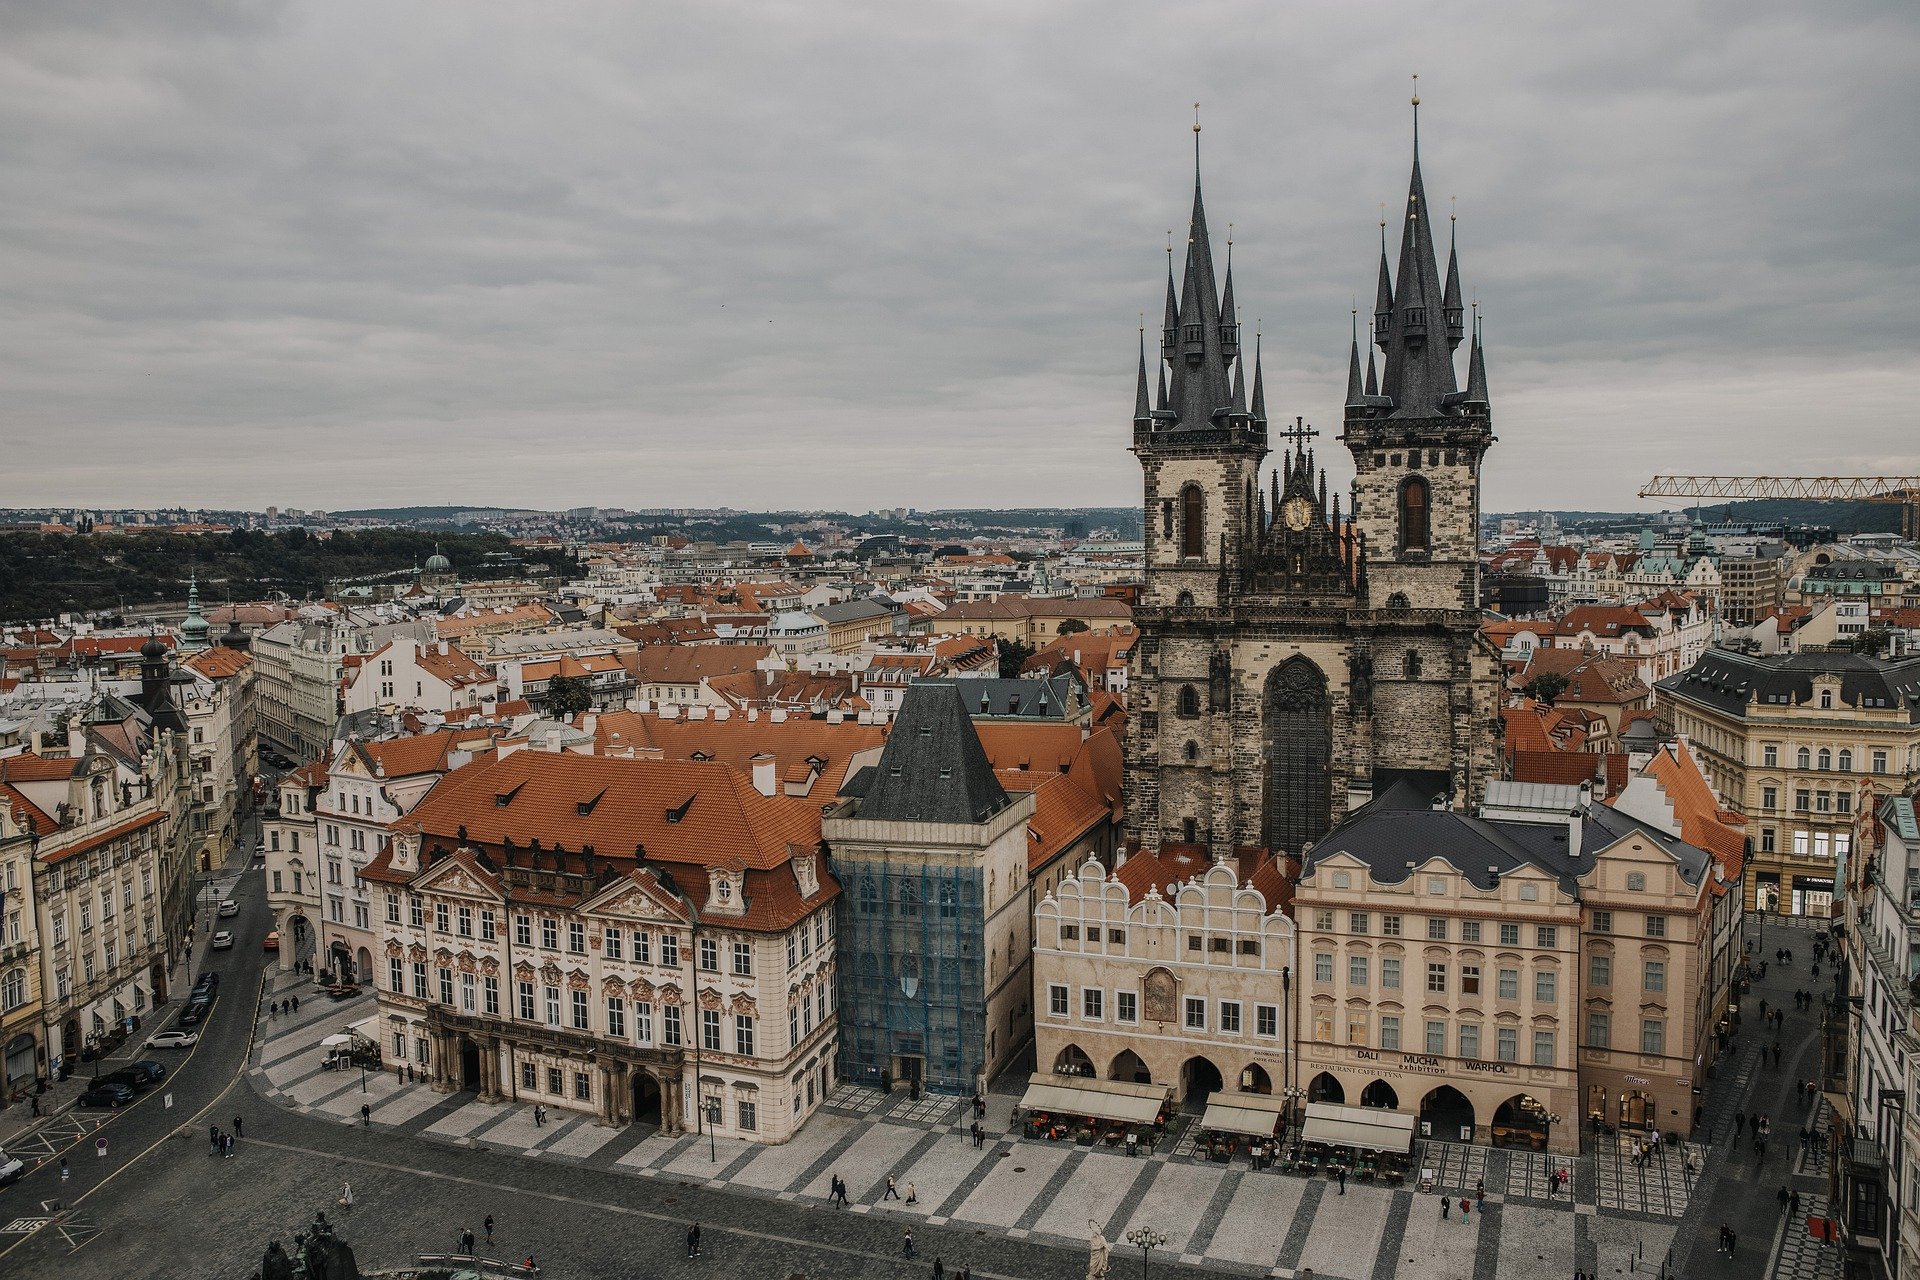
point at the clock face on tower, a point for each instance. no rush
(1297, 512)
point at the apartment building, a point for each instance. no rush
(1793, 741)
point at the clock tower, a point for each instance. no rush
(1297, 659)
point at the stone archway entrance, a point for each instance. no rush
(1129, 1066)
(1521, 1121)
(646, 1098)
(469, 1064)
(296, 942)
(1199, 1080)
(1326, 1087)
(1380, 1094)
(1254, 1079)
(1446, 1114)
(1073, 1061)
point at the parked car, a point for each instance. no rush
(222, 941)
(11, 1169)
(272, 942)
(194, 1014)
(208, 982)
(152, 1070)
(135, 1081)
(174, 1040)
(229, 908)
(106, 1095)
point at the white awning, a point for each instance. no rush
(1119, 1100)
(1256, 1114)
(1368, 1128)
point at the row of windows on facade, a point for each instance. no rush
(1817, 845)
(75, 871)
(460, 922)
(473, 994)
(1438, 886)
(945, 900)
(1439, 928)
(1467, 1038)
(1206, 945)
(1807, 800)
(106, 907)
(356, 837)
(110, 957)
(1546, 982)
(1126, 1010)
(1824, 760)
(1415, 514)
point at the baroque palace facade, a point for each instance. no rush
(1296, 658)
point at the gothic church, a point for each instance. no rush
(1297, 659)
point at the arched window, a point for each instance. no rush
(1415, 517)
(1805, 758)
(1846, 760)
(1413, 664)
(1184, 600)
(1826, 760)
(1193, 523)
(1192, 751)
(1189, 700)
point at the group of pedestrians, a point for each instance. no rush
(290, 1005)
(222, 1143)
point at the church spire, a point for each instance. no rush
(1476, 396)
(1419, 375)
(1355, 391)
(1259, 388)
(1451, 304)
(1373, 381)
(1203, 338)
(1142, 408)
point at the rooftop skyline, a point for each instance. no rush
(804, 256)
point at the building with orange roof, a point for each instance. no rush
(635, 939)
(1168, 971)
(406, 673)
(679, 675)
(1103, 657)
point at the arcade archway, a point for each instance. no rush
(1380, 1094)
(1129, 1066)
(1326, 1087)
(1445, 1113)
(1199, 1080)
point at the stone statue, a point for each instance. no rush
(276, 1265)
(1097, 1261)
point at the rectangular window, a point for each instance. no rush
(1389, 1031)
(1390, 926)
(1546, 985)
(1436, 1036)
(1358, 921)
(642, 947)
(1390, 972)
(1470, 1040)
(613, 944)
(1196, 1014)
(1057, 1000)
(1653, 1036)
(643, 1021)
(577, 937)
(416, 909)
(439, 908)
(749, 1116)
(1323, 966)
(419, 979)
(1508, 1041)
(1509, 984)
(709, 955)
(1546, 936)
(550, 934)
(582, 1087)
(1469, 931)
(396, 976)
(469, 1000)
(1879, 761)
(1803, 798)
(670, 950)
(553, 1006)
(1769, 797)
(1469, 979)
(529, 1076)
(555, 1081)
(1436, 928)
(1770, 756)
(1436, 977)
(710, 1030)
(1599, 1031)
(1656, 926)
(1656, 976)
(670, 1024)
(1509, 935)
(1092, 1004)
(1543, 1048)
(1126, 1006)
(523, 931)
(525, 991)
(446, 986)
(486, 925)
(579, 1003)
(1266, 1020)
(1323, 921)
(1323, 1026)
(1600, 971)
(793, 1025)
(1769, 841)
(1356, 971)
(743, 959)
(1230, 1017)
(492, 992)
(1603, 922)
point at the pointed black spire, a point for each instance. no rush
(1477, 368)
(1355, 392)
(1419, 374)
(1383, 296)
(1259, 389)
(1451, 302)
(1161, 403)
(1201, 383)
(1142, 409)
(1373, 381)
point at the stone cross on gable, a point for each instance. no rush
(1299, 433)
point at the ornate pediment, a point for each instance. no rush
(490, 966)
(550, 973)
(577, 980)
(743, 1003)
(709, 998)
(466, 962)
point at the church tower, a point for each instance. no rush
(1296, 661)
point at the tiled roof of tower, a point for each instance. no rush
(692, 812)
(934, 768)
(219, 662)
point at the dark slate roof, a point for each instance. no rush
(1044, 698)
(1387, 839)
(1852, 571)
(1726, 681)
(933, 768)
(850, 611)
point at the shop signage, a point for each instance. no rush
(1638, 1080)
(1494, 1068)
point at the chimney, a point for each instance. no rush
(763, 780)
(553, 741)
(443, 648)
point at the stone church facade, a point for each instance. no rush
(1296, 658)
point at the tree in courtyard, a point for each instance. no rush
(1545, 687)
(566, 697)
(1013, 656)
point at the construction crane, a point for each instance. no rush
(1904, 490)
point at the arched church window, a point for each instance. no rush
(1184, 600)
(1193, 523)
(1398, 600)
(1415, 518)
(1413, 664)
(1166, 518)
(1192, 751)
(1189, 701)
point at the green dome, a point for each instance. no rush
(437, 563)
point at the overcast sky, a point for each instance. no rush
(341, 254)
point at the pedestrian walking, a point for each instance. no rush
(1446, 1203)
(213, 1139)
(913, 1193)
(1739, 1121)
(1793, 1204)
(466, 1242)
(693, 1240)
(1342, 1175)
(366, 1116)
(1781, 1196)
(892, 1192)
(488, 1226)
(1733, 1241)
(939, 1269)
(296, 1004)
(226, 1141)
(1466, 1209)
(1776, 1053)
(238, 1131)
(906, 1243)
(346, 1200)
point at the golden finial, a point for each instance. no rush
(1453, 203)
(1196, 117)
(1416, 89)
(1383, 217)
(1229, 235)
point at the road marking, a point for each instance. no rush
(24, 1226)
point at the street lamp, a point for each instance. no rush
(712, 1108)
(1146, 1239)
